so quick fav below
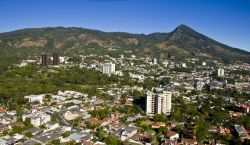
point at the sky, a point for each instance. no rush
(227, 21)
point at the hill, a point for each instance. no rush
(182, 42)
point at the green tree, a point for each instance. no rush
(162, 130)
(159, 117)
(101, 135)
(202, 130)
(17, 129)
(66, 134)
(53, 118)
(56, 142)
(28, 134)
(111, 140)
(27, 121)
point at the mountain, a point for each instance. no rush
(182, 42)
(196, 43)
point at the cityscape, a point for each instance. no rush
(72, 85)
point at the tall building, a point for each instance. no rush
(45, 59)
(158, 103)
(220, 72)
(56, 59)
(183, 65)
(108, 68)
(154, 61)
(199, 85)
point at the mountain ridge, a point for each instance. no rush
(182, 41)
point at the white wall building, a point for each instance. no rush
(137, 76)
(220, 72)
(183, 65)
(37, 119)
(92, 65)
(199, 85)
(61, 59)
(70, 115)
(35, 98)
(108, 68)
(158, 103)
(154, 61)
(70, 94)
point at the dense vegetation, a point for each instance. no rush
(19, 82)
(182, 42)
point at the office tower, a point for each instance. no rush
(108, 68)
(158, 103)
(220, 72)
(56, 60)
(45, 59)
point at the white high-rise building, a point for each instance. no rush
(158, 103)
(154, 61)
(220, 72)
(108, 68)
(183, 65)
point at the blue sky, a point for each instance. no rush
(227, 21)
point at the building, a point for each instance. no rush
(125, 132)
(108, 68)
(35, 98)
(154, 61)
(56, 59)
(220, 72)
(172, 135)
(241, 132)
(158, 103)
(62, 59)
(199, 85)
(37, 119)
(243, 108)
(45, 60)
(183, 65)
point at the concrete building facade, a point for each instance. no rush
(158, 103)
(108, 68)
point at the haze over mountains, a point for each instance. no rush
(182, 42)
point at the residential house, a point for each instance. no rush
(35, 98)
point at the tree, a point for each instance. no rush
(101, 135)
(56, 142)
(28, 134)
(159, 117)
(246, 142)
(16, 129)
(66, 134)
(48, 97)
(27, 121)
(201, 130)
(165, 81)
(162, 130)
(177, 114)
(111, 140)
(53, 118)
